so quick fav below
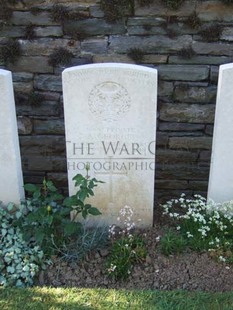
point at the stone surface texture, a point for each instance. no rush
(11, 178)
(187, 86)
(110, 124)
(221, 179)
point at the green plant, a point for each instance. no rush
(59, 13)
(30, 33)
(19, 261)
(60, 56)
(46, 220)
(127, 248)
(172, 243)
(85, 186)
(173, 4)
(211, 32)
(88, 240)
(49, 221)
(116, 9)
(193, 21)
(10, 51)
(135, 54)
(205, 226)
(187, 52)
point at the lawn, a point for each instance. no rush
(89, 299)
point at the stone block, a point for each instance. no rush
(214, 70)
(154, 59)
(95, 11)
(112, 58)
(50, 31)
(182, 72)
(46, 108)
(209, 130)
(169, 126)
(23, 87)
(165, 89)
(94, 46)
(11, 31)
(199, 60)
(184, 93)
(227, 34)
(22, 76)
(161, 139)
(48, 82)
(93, 27)
(60, 179)
(181, 172)
(25, 18)
(190, 113)
(214, 11)
(33, 64)
(24, 125)
(205, 156)
(190, 143)
(149, 45)
(51, 126)
(44, 163)
(213, 48)
(46, 46)
(174, 156)
(144, 31)
(198, 185)
(171, 184)
(42, 145)
(159, 9)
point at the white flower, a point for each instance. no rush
(222, 259)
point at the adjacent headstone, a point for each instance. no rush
(221, 170)
(11, 179)
(110, 123)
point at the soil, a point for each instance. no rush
(188, 271)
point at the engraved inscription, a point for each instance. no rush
(109, 101)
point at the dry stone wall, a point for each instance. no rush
(39, 38)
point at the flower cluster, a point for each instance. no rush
(206, 225)
(127, 248)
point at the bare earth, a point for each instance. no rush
(189, 271)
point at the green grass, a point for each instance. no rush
(90, 299)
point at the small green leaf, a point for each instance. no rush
(78, 179)
(36, 194)
(72, 227)
(83, 194)
(39, 236)
(94, 211)
(18, 214)
(30, 187)
(10, 206)
(90, 192)
(84, 213)
(71, 201)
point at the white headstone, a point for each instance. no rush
(110, 123)
(11, 179)
(221, 170)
